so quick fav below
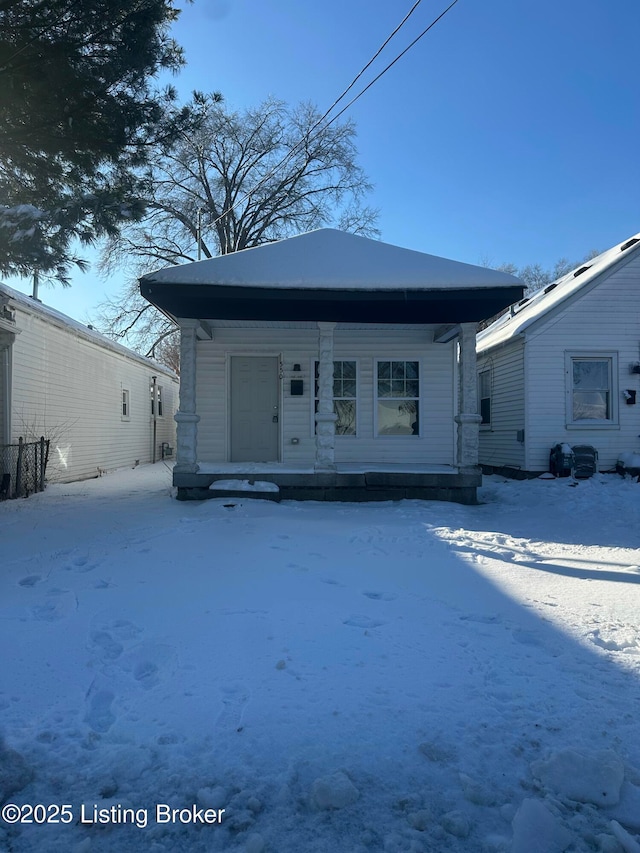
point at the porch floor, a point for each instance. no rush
(349, 482)
(242, 468)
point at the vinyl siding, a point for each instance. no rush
(300, 346)
(68, 388)
(530, 384)
(498, 442)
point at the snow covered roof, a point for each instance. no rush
(530, 309)
(34, 306)
(329, 264)
(333, 260)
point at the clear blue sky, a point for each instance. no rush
(509, 133)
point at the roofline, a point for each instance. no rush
(63, 321)
(628, 249)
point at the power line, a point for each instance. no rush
(293, 150)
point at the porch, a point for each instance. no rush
(352, 482)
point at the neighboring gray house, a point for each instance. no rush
(327, 364)
(563, 366)
(98, 402)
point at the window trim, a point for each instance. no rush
(485, 371)
(418, 399)
(613, 421)
(356, 399)
(157, 403)
(125, 404)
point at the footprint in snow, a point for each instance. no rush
(81, 564)
(380, 596)
(30, 581)
(59, 603)
(99, 716)
(234, 698)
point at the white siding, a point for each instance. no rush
(499, 445)
(604, 317)
(300, 346)
(68, 388)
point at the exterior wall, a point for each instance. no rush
(68, 387)
(602, 318)
(300, 346)
(499, 445)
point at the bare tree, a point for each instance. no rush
(240, 179)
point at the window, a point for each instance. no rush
(345, 389)
(484, 396)
(158, 400)
(398, 397)
(125, 405)
(591, 401)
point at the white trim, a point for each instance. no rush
(613, 422)
(391, 359)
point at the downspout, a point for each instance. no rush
(5, 366)
(154, 410)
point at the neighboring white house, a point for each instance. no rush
(97, 402)
(563, 366)
(327, 363)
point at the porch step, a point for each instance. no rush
(232, 488)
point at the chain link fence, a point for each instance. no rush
(23, 468)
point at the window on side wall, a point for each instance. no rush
(157, 408)
(125, 407)
(398, 397)
(591, 395)
(345, 394)
(484, 397)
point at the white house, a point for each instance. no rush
(563, 366)
(98, 403)
(327, 364)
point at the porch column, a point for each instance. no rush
(325, 416)
(468, 419)
(186, 418)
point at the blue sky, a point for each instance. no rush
(509, 133)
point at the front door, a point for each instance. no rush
(254, 409)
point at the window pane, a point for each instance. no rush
(412, 387)
(348, 369)
(485, 410)
(384, 370)
(397, 369)
(412, 370)
(590, 375)
(337, 388)
(485, 384)
(397, 388)
(384, 388)
(398, 418)
(346, 412)
(349, 388)
(590, 405)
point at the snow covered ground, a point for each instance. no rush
(336, 677)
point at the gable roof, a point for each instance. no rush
(326, 274)
(534, 307)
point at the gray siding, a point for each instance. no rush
(499, 445)
(300, 346)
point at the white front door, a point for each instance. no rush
(255, 414)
